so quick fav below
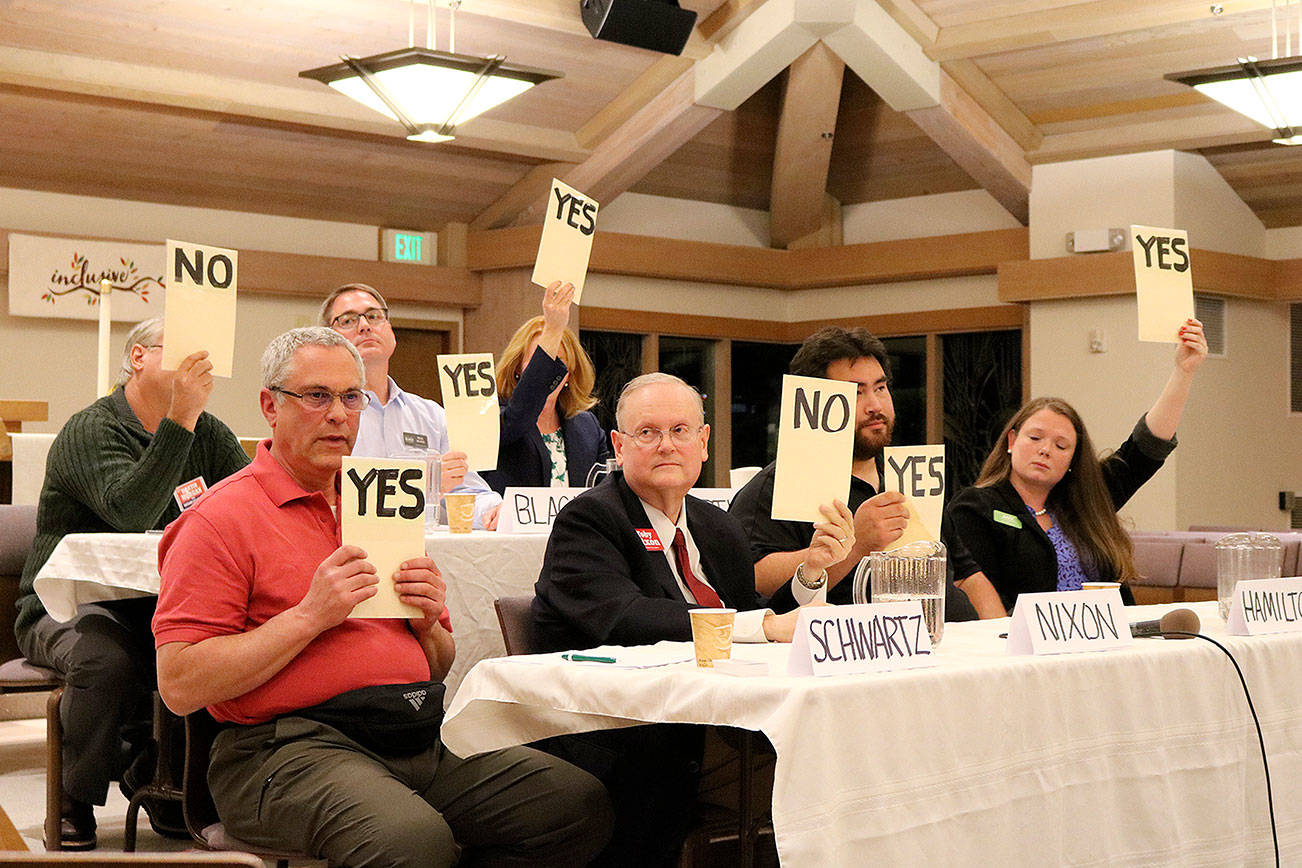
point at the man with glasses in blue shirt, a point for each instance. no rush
(398, 424)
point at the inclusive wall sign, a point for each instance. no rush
(63, 277)
(1064, 622)
(382, 512)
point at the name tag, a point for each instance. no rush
(1064, 622)
(188, 492)
(532, 510)
(650, 540)
(1262, 606)
(870, 637)
(418, 441)
(720, 497)
(1007, 518)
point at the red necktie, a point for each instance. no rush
(703, 593)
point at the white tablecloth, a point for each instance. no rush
(1140, 756)
(478, 567)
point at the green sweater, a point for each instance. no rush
(105, 473)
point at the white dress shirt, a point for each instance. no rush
(380, 435)
(749, 625)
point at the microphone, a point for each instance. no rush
(1174, 621)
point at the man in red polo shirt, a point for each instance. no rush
(333, 748)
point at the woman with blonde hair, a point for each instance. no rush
(1043, 513)
(544, 382)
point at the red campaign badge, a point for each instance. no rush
(650, 540)
(188, 492)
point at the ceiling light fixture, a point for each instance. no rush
(1267, 91)
(429, 92)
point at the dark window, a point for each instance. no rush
(757, 370)
(618, 359)
(982, 391)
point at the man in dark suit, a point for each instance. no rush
(625, 564)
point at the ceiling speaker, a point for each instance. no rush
(659, 25)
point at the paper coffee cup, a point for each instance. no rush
(461, 512)
(1100, 586)
(712, 634)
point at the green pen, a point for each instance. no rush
(586, 658)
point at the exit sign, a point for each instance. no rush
(399, 245)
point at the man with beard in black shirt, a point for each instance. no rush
(787, 569)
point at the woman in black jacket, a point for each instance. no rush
(544, 381)
(1043, 513)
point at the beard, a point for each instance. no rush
(869, 444)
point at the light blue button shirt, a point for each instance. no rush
(380, 436)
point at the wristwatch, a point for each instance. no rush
(810, 584)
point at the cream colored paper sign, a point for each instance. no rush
(1163, 282)
(566, 241)
(919, 473)
(470, 400)
(815, 446)
(382, 511)
(200, 310)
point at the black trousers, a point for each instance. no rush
(106, 657)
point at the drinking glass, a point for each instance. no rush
(911, 572)
(1242, 556)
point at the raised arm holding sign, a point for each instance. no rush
(815, 444)
(200, 308)
(1163, 282)
(566, 241)
(470, 400)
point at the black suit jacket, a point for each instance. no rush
(522, 457)
(1008, 543)
(600, 585)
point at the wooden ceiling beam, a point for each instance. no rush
(1066, 23)
(1219, 127)
(803, 150)
(980, 146)
(667, 122)
(323, 108)
(535, 185)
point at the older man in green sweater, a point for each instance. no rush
(127, 463)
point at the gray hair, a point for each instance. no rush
(652, 379)
(278, 358)
(324, 316)
(145, 334)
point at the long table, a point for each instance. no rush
(1140, 756)
(478, 567)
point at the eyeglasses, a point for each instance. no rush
(348, 321)
(680, 435)
(354, 400)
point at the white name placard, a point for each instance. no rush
(870, 637)
(532, 510)
(720, 497)
(1063, 622)
(1262, 606)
